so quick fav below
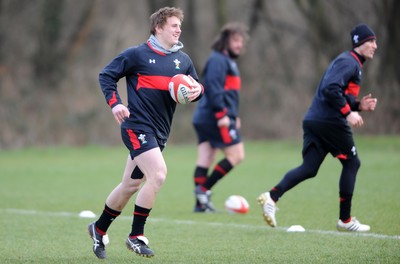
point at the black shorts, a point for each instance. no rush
(219, 137)
(336, 139)
(138, 142)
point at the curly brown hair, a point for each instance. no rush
(159, 18)
(221, 41)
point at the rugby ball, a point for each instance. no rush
(237, 204)
(179, 87)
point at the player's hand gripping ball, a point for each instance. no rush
(237, 204)
(179, 87)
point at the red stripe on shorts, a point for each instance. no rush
(133, 138)
(226, 138)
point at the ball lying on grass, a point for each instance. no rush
(237, 204)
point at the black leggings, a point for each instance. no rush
(312, 160)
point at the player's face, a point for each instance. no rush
(367, 49)
(169, 34)
(236, 44)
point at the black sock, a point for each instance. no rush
(200, 175)
(106, 218)
(275, 193)
(345, 206)
(139, 220)
(220, 170)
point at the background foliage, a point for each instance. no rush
(51, 52)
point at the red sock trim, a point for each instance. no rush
(200, 180)
(220, 170)
(204, 189)
(111, 213)
(141, 214)
(133, 237)
(100, 232)
(347, 221)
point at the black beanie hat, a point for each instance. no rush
(360, 34)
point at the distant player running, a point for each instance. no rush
(327, 129)
(216, 118)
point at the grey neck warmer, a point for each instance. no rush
(157, 46)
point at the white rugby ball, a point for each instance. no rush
(179, 87)
(237, 204)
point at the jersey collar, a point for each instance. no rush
(358, 57)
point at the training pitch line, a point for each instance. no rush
(191, 222)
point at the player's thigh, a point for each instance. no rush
(205, 154)
(152, 164)
(127, 179)
(129, 167)
(234, 153)
(335, 138)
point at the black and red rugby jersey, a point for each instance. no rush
(147, 73)
(222, 83)
(337, 93)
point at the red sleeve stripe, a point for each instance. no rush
(153, 82)
(232, 83)
(133, 138)
(113, 99)
(353, 89)
(226, 138)
(345, 109)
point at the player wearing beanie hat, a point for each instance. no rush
(327, 129)
(360, 34)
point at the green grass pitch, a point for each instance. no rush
(43, 190)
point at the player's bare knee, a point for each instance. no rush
(240, 157)
(130, 190)
(129, 187)
(235, 158)
(158, 178)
